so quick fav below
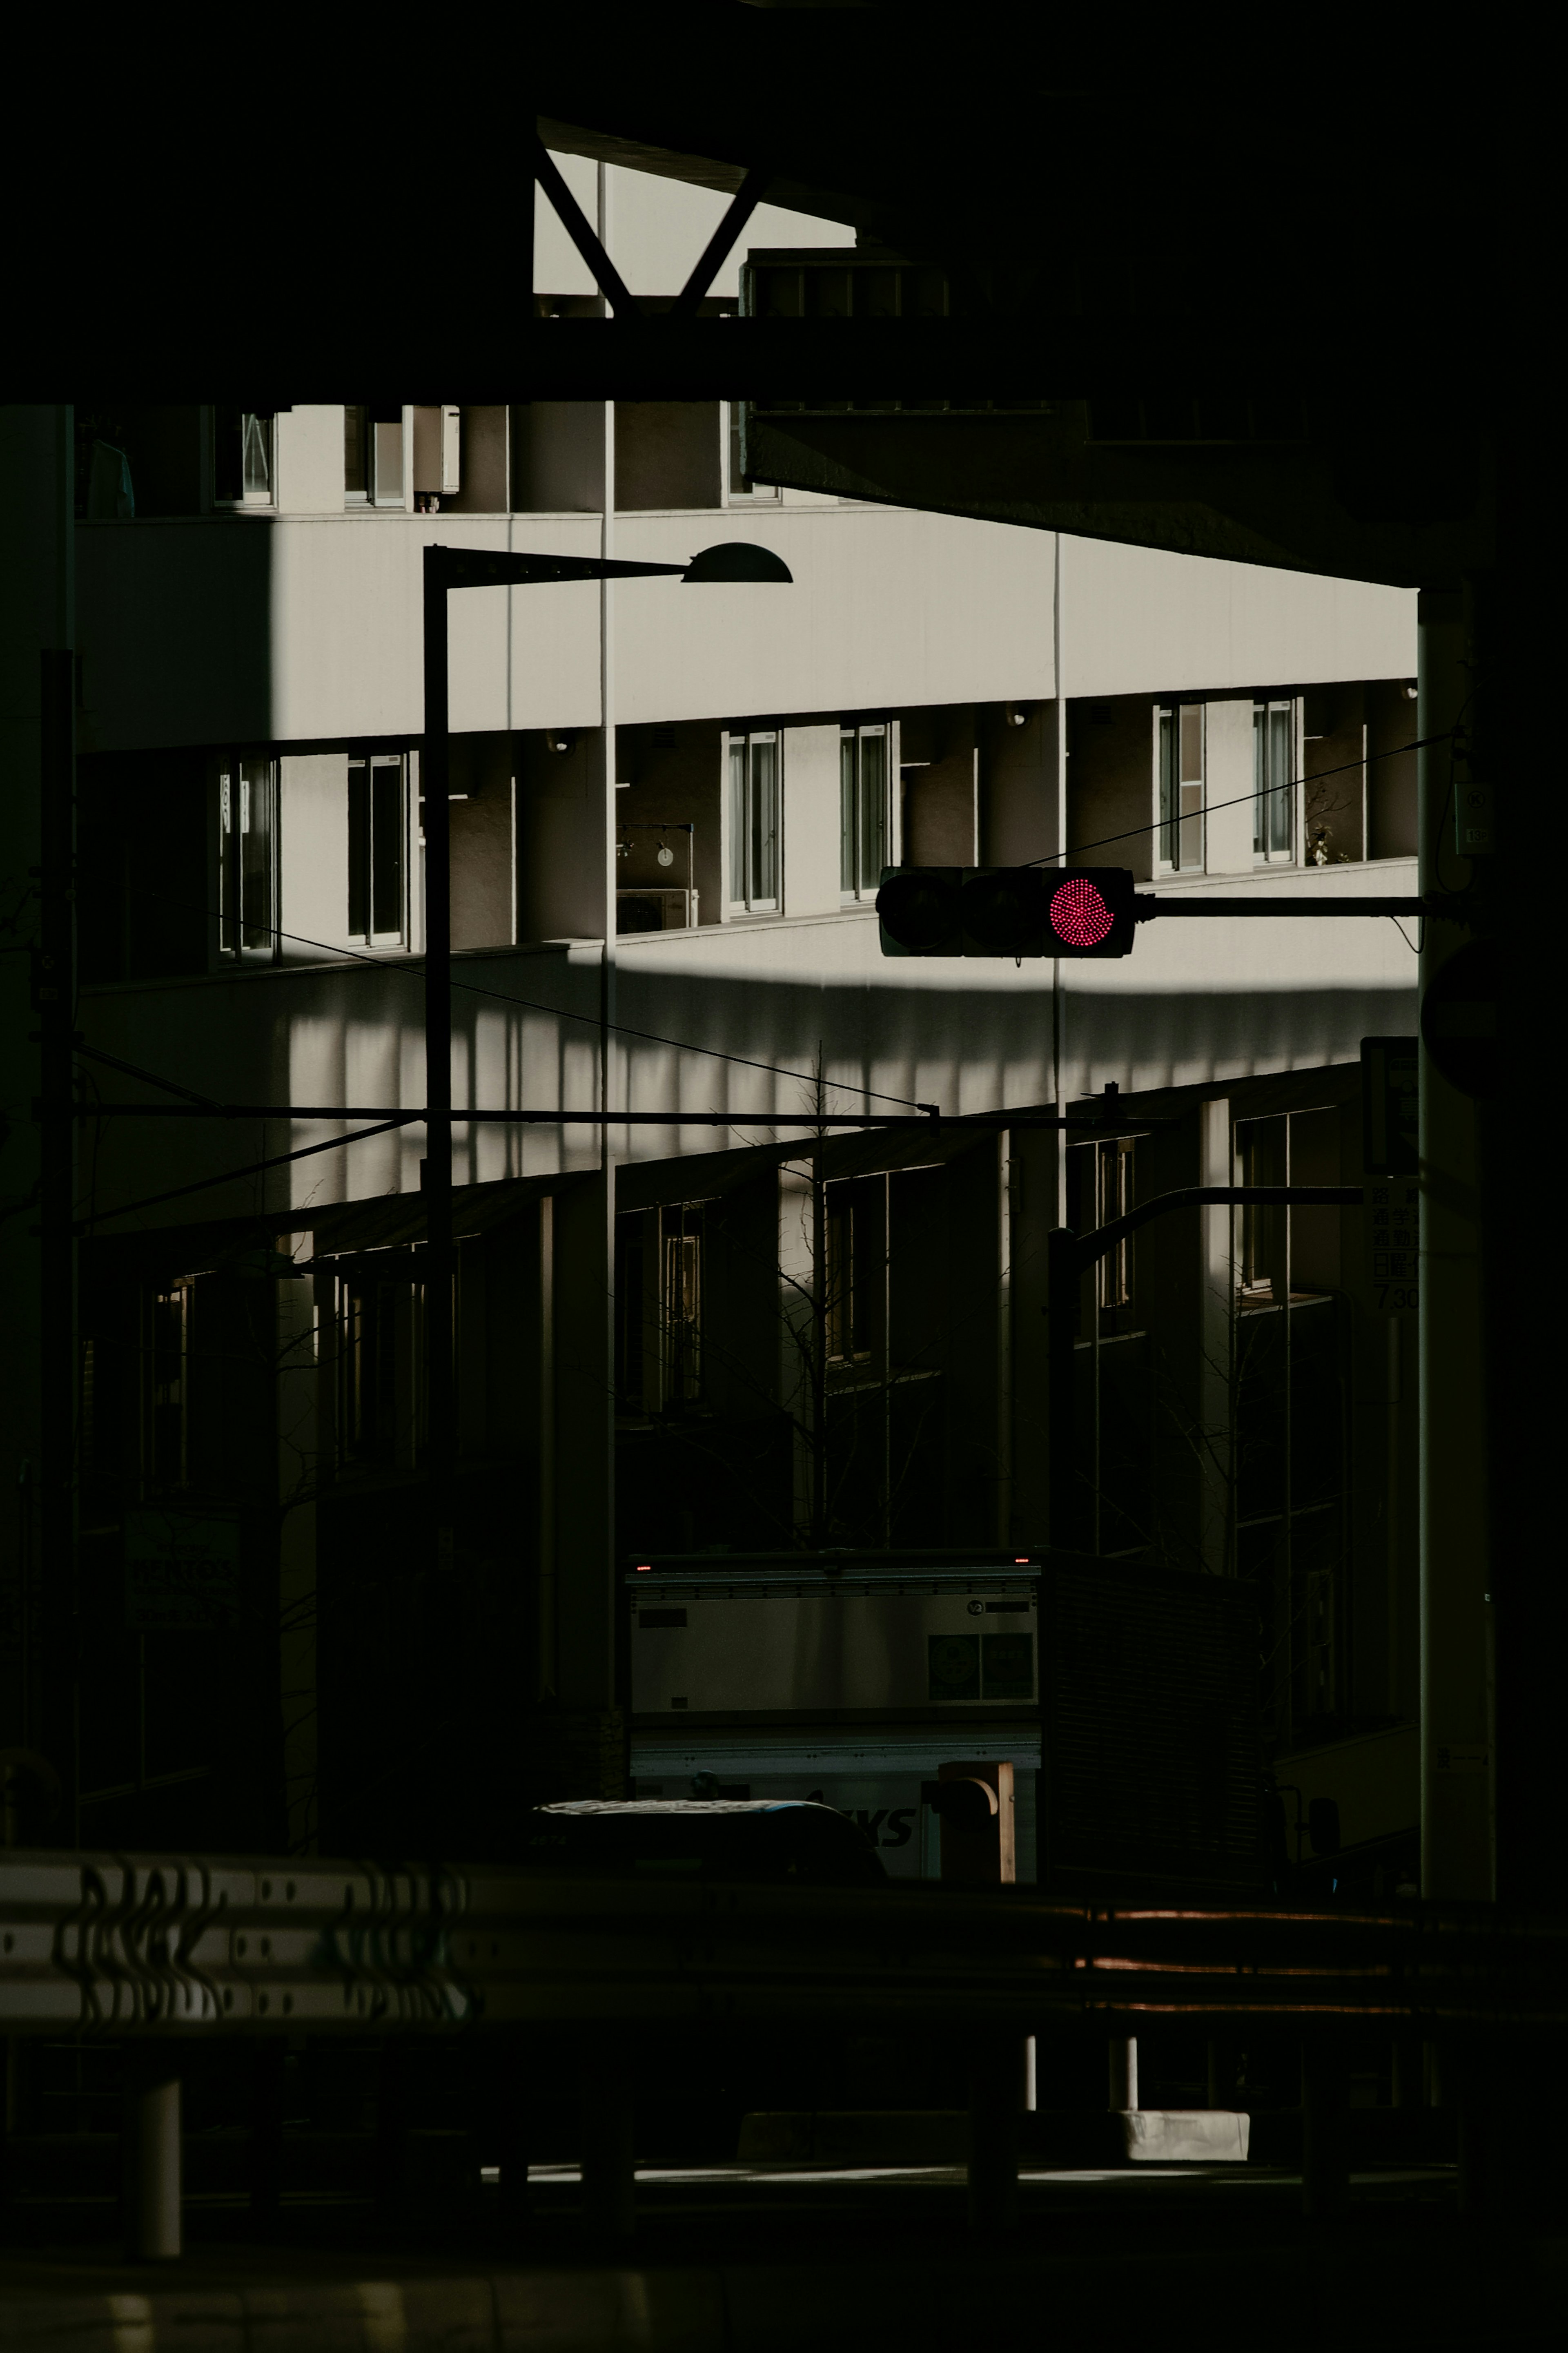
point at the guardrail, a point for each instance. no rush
(175, 1945)
(157, 1950)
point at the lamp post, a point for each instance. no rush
(447, 568)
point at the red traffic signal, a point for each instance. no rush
(1006, 911)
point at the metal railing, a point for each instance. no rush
(161, 1946)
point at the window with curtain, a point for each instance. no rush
(863, 849)
(1274, 781)
(754, 862)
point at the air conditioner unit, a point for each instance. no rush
(655, 911)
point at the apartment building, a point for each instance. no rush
(719, 1328)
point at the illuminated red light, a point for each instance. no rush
(1020, 1560)
(644, 1566)
(1080, 914)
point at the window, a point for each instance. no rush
(658, 1309)
(243, 457)
(373, 457)
(738, 484)
(247, 859)
(381, 1371)
(755, 823)
(167, 1426)
(1182, 787)
(862, 810)
(1273, 781)
(681, 1306)
(847, 1294)
(1113, 1198)
(377, 832)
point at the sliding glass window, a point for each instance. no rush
(247, 859)
(862, 810)
(1273, 782)
(377, 835)
(1182, 787)
(755, 863)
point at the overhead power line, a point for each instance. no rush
(1136, 833)
(412, 969)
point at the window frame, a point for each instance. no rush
(166, 1302)
(1268, 854)
(228, 863)
(738, 489)
(740, 825)
(364, 881)
(371, 499)
(857, 890)
(1172, 826)
(265, 420)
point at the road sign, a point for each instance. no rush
(1393, 1225)
(1390, 1079)
(182, 1571)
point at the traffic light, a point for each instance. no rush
(1006, 911)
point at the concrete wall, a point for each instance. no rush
(310, 460)
(1017, 784)
(1195, 1003)
(1228, 787)
(1111, 791)
(667, 454)
(314, 846)
(1136, 618)
(297, 629)
(940, 780)
(558, 457)
(811, 820)
(1391, 770)
(254, 629)
(672, 776)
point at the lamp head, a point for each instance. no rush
(738, 559)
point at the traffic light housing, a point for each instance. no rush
(1006, 911)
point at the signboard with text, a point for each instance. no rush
(182, 1571)
(1391, 1219)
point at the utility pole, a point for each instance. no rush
(53, 1000)
(441, 1401)
(1457, 1837)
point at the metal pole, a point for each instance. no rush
(1325, 2161)
(153, 2162)
(997, 2092)
(1062, 1287)
(54, 994)
(1455, 1550)
(610, 2157)
(440, 1399)
(1123, 2056)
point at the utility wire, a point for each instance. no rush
(134, 1070)
(561, 1013)
(1136, 833)
(251, 1168)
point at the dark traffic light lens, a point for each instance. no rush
(917, 909)
(1002, 910)
(1080, 914)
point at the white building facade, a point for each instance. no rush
(707, 1328)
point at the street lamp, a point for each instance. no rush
(447, 568)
